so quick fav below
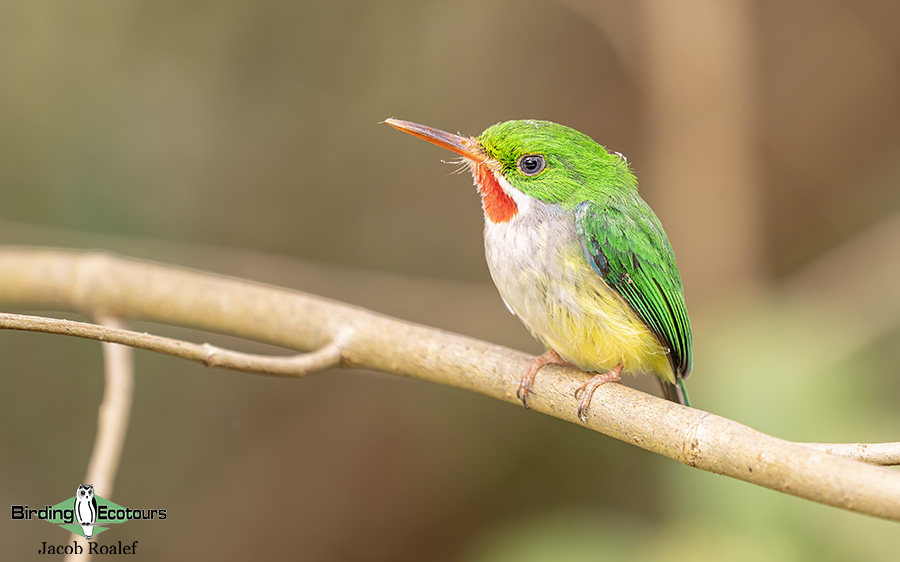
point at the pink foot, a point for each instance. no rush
(548, 358)
(590, 386)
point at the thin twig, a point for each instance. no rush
(114, 413)
(885, 454)
(297, 365)
(112, 420)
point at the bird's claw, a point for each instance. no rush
(524, 390)
(547, 358)
(587, 390)
(582, 409)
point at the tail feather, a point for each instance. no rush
(675, 392)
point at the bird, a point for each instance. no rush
(576, 254)
(86, 509)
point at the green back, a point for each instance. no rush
(625, 244)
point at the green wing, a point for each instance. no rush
(626, 245)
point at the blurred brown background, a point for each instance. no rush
(243, 138)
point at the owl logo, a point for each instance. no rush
(86, 509)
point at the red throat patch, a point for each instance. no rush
(497, 205)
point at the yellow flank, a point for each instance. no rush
(591, 325)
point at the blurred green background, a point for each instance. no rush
(243, 138)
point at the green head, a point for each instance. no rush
(554, 163)
(541, 159)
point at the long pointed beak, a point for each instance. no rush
(464, 146)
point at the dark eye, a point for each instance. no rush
(531, 164)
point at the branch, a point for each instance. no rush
(300, 365)
(101, 283)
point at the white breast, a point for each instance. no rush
(530, 260)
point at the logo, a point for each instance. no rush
(87, 515)
(86, 510)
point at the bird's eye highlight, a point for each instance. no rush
(531, 164)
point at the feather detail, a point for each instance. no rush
(629, 250)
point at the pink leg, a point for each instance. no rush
(590, 386)
(547, 358)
